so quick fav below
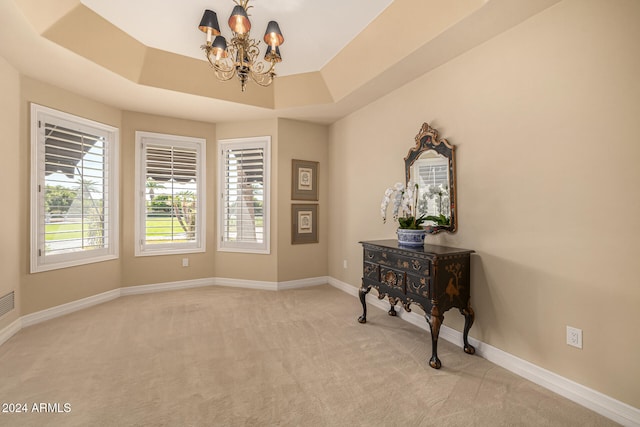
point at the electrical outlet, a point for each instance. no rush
(185, 262)
(574, 337)
(344, 264)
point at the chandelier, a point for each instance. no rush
(239, 57)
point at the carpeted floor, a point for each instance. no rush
(237, 357)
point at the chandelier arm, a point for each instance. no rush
(224, 75)
(262, 79)
(252, 49)
(221, 71)
(258, 68)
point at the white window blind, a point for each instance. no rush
(244, 195)
(171, 192)
(74, 190)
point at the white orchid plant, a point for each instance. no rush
(405, 205)
(439, 194)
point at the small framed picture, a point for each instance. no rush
(304, 185)
(304, 223)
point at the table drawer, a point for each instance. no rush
(418, 285)
(418, 265)
(371, 271)
(412, 265)
(375, 256)
(394, 279)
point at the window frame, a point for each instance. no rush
(260, 142)
(199, 144)
(39, 261)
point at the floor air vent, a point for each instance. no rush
(6, 303)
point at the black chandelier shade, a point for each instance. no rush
(210, 21)
(239, 21)
(273, 36)
(220, 47)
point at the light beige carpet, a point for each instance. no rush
(236, 357)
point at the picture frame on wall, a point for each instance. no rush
(304, 223)
(304, 183)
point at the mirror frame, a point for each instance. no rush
(427, 139)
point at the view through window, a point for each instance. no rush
(171, 187)
(73, 194)
(244, 195)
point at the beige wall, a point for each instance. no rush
(10, 168)
(262, 267)
(143, 270)
(51, 288)
(289, 139)
(544, 117)
(302, 141)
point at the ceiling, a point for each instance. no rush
(314, 33)
(144, 55)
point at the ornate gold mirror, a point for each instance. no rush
(431, 165)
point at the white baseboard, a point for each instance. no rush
(61, 310)
(10, 330)
(604, 405)
(271, 286)
(303, 283)
(247, 284)
(167, 286)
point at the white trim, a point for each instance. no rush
(42, 263)
(264, 248)
(604, 405)
(302, 283)
(70, 307)
(167, 286)
(247, 284)
(10, 330)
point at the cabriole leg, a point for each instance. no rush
(363, 294)
(392, 309)
(469, 317)
(434, 325)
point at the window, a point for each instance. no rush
(74, 190)
(243, 186)
(170, 194)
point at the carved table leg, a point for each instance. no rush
(469, 317)
(434, 324)
(363, 294)
(392, 309)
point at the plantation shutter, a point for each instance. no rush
(244, 195)
(75, 190)
(171, 193)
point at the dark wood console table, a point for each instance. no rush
(436, 278)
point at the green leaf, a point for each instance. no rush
(439, 220)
